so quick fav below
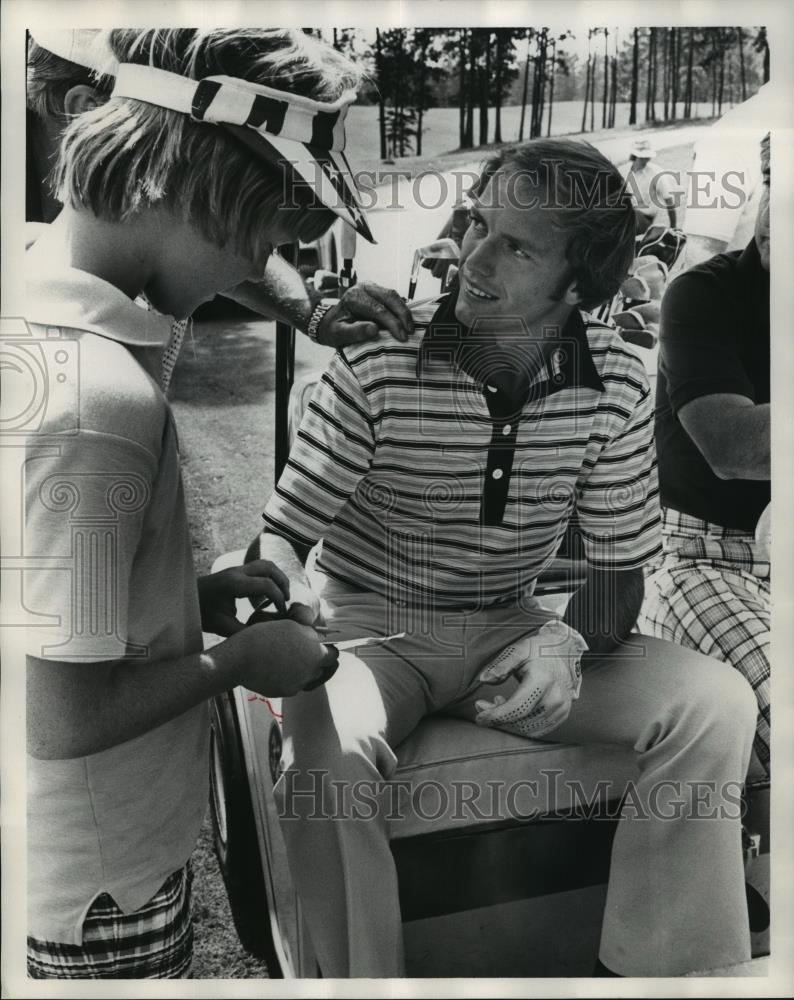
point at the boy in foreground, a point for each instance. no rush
(175, 188)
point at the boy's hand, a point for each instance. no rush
(255, 580)
(363, 311)
(279, 658)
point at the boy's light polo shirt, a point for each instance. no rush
(106, 521)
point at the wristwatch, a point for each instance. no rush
(316, 317)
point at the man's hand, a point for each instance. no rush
(278, 659)
(363, 311)
(548, 665)
(256, 580)
(304, 608)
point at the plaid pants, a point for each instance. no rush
(710, 591)
(155, 942)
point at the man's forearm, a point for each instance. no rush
(605, 609)
(281, 294)
(289, 556)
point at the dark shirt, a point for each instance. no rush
(714, 338)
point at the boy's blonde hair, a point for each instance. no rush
(127, 155)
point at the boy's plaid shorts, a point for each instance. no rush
(155, 942)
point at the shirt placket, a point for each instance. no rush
(505, 418)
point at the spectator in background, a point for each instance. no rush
(651, 188)
(711, 590)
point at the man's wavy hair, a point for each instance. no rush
(128, 155)
(587, 198)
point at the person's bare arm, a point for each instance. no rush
(605, 609)
(291, 559)
(76, 709)
(363, 310)
(732, 433)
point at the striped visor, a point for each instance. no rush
(304, 139)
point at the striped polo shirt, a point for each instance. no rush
(432, 474)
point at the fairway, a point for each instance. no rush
(440, 129)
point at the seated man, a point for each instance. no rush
(711, 590)
(441, 475)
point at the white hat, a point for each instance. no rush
(643, 149)
(303, 137)
(77, 45)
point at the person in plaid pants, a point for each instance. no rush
(710, 589)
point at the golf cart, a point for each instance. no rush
(518, 891)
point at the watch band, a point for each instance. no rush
(316, 317)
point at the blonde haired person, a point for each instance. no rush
(214, 147)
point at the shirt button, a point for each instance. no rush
(497, 473)
(506, 429)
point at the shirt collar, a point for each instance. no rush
(567, 364)
(67, 297)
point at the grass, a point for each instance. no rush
(440, 132)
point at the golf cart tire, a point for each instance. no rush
(235, 836)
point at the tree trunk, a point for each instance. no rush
(650, 97)
(635, 72)
(421, 95)
(606, 79)
(551, 82)
(586, 86)
(666, 72)
(399, 124)
(462, 88)
(524, 94)
(741, 63)
(381, 105)
(676, 42)
(722, 70)
(613, 97)
(593, 72)
(485, 86)
(472, 90)
(689, 65)
(497, 136)
(538, 130)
